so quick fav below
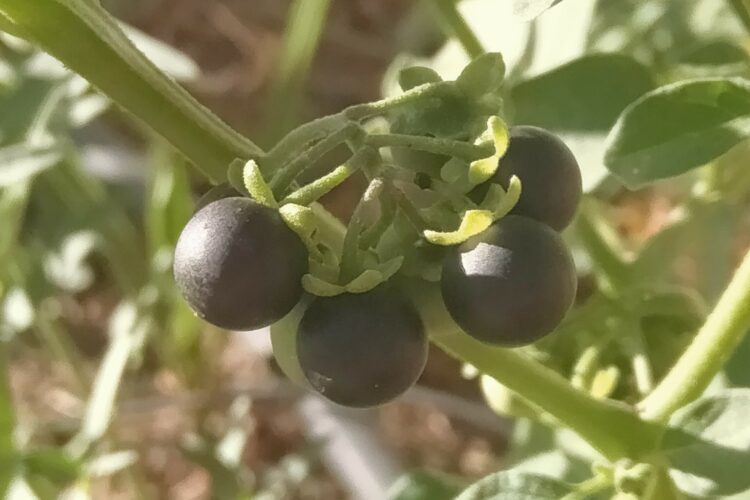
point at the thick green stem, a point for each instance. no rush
(723, 330)
(451, 19)
(86, 38)
(446, 147)
(610, 427)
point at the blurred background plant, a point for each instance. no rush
(112, 388)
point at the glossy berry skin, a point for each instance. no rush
(238, 265)
(549, 174)
(510, 285)
(362, 350)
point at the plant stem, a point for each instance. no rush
(282, 179)
(122, 72)
(426, 91)
(606, 257)
(302, 136)
(350, 263)
(742, 9)
(446, 147)
(591, 487)
(610, 427)
(323, 185)
(723, 330)
(454, 24)
(661, 487)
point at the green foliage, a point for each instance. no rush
(585, 95)
(708, 445)
(677, 128)
(623, 365)
(414, 76)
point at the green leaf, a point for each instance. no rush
(708, 445)
(514, 485)
(483, 75)
(450, 117)
(584, 95)
(677, 128)
(425, 485)
(414, 76)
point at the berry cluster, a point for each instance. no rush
(240, 267)
(514, 283)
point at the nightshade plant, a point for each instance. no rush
(655, 437)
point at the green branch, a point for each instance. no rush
(723, 330)
(87, 39)
(610, 427)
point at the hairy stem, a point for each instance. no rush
(446, 147)
(717, 339)
(422, 92)
(291, 170)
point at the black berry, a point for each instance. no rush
(549, 174)
(362, 350)
(238, 264)
(511, 284)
